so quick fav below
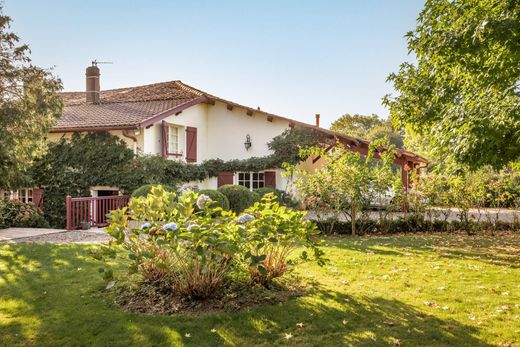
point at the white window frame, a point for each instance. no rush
(251, 179)
(25, 195)
(173, 140)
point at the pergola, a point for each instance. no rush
(408, 161)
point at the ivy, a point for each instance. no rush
(71, 166)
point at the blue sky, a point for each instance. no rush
(290, 57)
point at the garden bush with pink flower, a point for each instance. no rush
(189, 245)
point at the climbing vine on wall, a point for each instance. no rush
(71, 166)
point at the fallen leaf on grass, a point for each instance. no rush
(396, 342)
(110, 284)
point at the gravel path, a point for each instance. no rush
(76, 236)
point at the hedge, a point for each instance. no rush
(239, 197)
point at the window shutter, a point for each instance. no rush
(191, 144)
(225, 178)
(270, 179)
(164, 139)
(38, 197)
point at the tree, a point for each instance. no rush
(367, 127)
(29, 106)
(347, 183)
(463, 94)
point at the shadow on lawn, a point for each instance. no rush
(399, 245)
(57, 300)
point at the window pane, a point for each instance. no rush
(255, 184)
(261, 184)
(173, 139)
(261, 176)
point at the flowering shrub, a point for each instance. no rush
(191, 251)
(220, 199)
(347, 184)
(272, 232)
(14, 213)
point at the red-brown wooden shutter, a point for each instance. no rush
(191, 144)
(270, 179)
(225, 178)
(38, 197)
(164, 139)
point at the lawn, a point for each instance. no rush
(409, 290)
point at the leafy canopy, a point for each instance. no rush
(29, 106)
(367, 127)
(463, 92)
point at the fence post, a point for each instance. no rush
(68, 203)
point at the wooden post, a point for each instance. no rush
(404, 179)
(68, 204)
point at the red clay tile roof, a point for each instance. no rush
(124, 107)
(135, 107)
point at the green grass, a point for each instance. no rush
(413, 290)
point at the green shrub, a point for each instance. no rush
(188, 252)
(273, 232)
(147, 188)
(34, 220)
(282, 197)
(191, 251)
(15, 213)
(412, 223)
(239, 197)
(220, 199)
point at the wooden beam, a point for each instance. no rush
(249, 113)
(319, 156)
(269, 118)
(229, 107)
(291, 125)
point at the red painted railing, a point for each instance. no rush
(92, 210)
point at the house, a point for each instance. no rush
(183, 123)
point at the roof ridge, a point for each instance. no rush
(123, 88)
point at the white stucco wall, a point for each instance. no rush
(221, 134)
(230, 128)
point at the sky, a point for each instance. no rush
(293, 58)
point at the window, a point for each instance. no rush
(25, 195)
(251, 180)
(173, 140)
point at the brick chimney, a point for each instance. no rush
(92, 80)
(317, 120)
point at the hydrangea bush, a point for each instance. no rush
(192, 251)
(272, 232)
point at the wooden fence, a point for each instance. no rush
(92, 210)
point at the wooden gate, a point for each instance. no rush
(92, 210)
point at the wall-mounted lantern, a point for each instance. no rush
(247, 144)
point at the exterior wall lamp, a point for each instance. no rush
(247, 144)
